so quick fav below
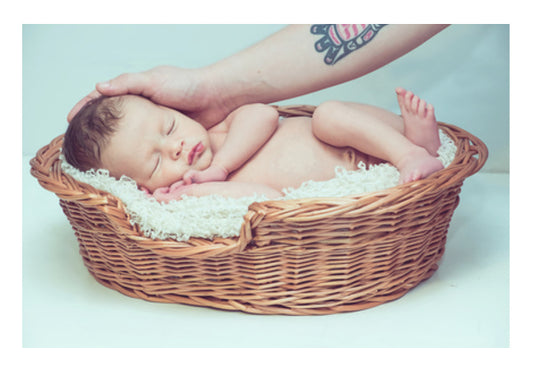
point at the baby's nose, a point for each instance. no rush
(175, 149)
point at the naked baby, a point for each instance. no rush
(251, 151)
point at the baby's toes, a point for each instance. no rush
(409, 101)
(430, 112)
(415, 102)
(400, 96)
(422, 108)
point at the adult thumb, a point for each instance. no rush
(127, 83)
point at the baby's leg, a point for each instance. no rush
(420, 123)
(376, 132)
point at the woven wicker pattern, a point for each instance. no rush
(297, 257)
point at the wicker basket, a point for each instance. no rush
(297, 257)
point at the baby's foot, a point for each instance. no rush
(419, 119)
(418, 164)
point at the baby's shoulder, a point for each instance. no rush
(218, 133)
(220, 128)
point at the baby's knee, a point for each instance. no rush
(327, 109)
(324, 116)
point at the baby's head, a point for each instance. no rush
(90, 130)
(129, 135)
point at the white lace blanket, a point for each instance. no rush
(217, 216)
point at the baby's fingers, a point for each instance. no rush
(175, 186)
(161, 191)
(189, 177)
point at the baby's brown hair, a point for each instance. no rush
(89, 132)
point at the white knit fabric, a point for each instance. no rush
(217, 216)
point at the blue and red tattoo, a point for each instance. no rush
(339, 40)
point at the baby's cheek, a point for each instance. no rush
(204, 161)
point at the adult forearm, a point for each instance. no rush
(297, 60)
(300, 59)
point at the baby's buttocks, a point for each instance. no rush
(294, 155)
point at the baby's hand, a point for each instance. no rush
(173, 192)
(213, 173)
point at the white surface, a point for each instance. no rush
(465, 303)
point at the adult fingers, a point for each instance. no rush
(127, 83)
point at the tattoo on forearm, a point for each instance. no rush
(339, 40)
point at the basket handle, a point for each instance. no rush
(295, 110)
(199, 248)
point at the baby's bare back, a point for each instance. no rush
(293, 155)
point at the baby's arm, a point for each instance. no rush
(248, 129)
(227, 189)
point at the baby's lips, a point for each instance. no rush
(197, 149)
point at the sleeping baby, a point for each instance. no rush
(251, 152)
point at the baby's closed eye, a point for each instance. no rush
(156, 166)
(172, 127)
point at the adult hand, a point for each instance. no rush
(187, 90)
(209, 94)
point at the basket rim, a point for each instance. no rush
(471, 155)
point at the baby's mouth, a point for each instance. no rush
(196, 150)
